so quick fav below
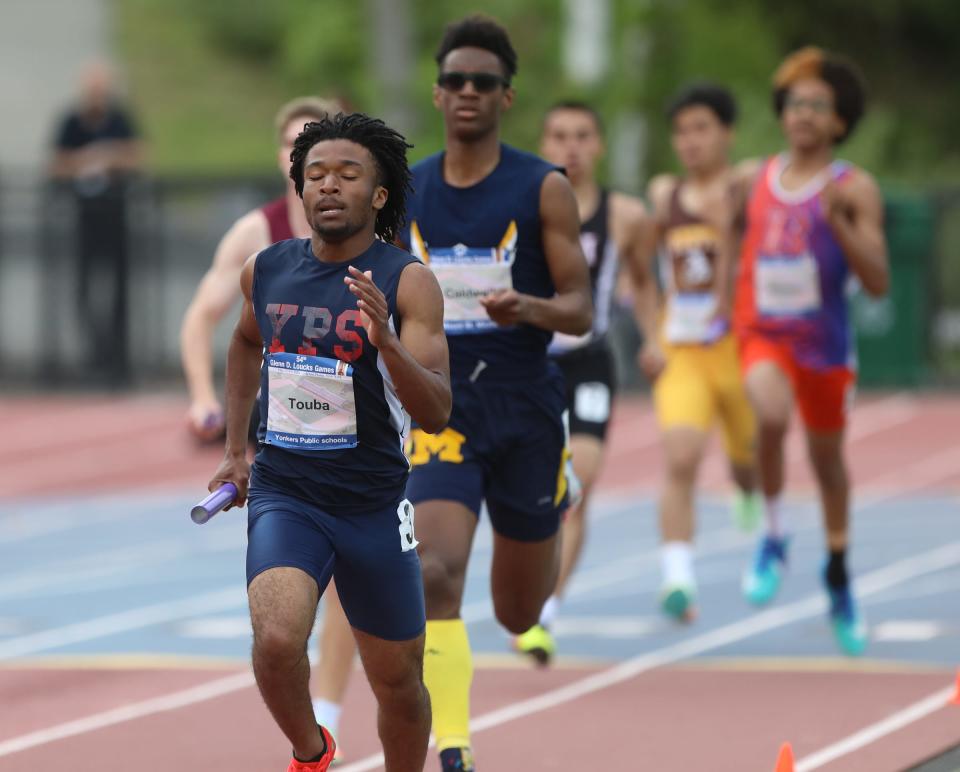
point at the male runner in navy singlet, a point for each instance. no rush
(278, 220)
(350, 333)
(499, 229)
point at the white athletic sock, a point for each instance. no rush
(676, 562)
(776, 517)
(550, 610)
(328, 715)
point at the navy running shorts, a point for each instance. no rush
(371, 555)
(505, 443)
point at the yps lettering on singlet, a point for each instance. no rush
(331, 426)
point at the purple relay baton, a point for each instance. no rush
(220, 498)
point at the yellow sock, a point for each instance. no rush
(448, 672)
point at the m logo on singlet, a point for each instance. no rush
(445, 446)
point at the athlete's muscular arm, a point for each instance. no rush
(732, 227)
(646, 294)
(854, 209)
(417, 360)
(218, 290)
(570, 310)
(243, 378)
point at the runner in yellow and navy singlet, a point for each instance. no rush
(499, 229)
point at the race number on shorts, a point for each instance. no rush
(591, 402)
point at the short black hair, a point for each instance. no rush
(388, 148)
(838, 72)
(479, 31)
(579, 106)
(706, 94)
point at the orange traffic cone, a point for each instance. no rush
(785, 759)
(955, 699)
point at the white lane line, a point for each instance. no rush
(872, 583)
(869, 584)
(129, 712)
(584, 583)
(922, 473)
(610, 572)
(908, 630)
(121, 559)
(25, 518)
(124, 621)
(616, 572)
(870, 734)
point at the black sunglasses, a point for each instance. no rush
(483, 82)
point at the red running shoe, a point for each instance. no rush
(316, 765)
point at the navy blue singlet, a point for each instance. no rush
(495, 222)
(307, 317)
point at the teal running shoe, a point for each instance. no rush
(762, 580)
(849, 629)
(677, 601)
(746, 510)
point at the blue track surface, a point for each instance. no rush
(112, 576)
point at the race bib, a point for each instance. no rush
(311, 405)
(787, 286)
(689, 318)
(466, 275)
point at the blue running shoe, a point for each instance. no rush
(762, 580)
(848, 626)
(459, 759)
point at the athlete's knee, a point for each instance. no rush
(682, 466)
(771, 402)
(684, 450)
(276, 643)
(771, 430)
(442, 585)
(401, 691)
(517, 614)
(828, 464)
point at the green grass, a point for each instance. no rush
(201, 112)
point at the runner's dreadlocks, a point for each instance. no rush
(388, 148)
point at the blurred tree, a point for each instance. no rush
(908, 50)
(378, 55)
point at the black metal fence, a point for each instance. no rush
(93, 290)
(93, 286)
